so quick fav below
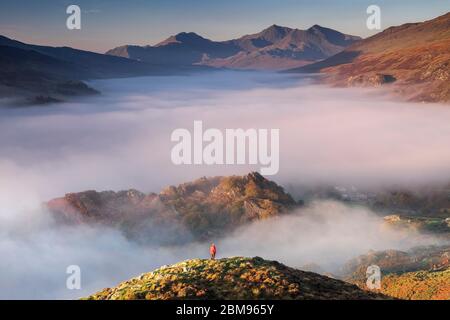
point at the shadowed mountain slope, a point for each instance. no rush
(55, 72)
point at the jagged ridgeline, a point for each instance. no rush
(232, 278)
(199, 210)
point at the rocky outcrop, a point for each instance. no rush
(370, 80)
(202, 209)
(232, 278)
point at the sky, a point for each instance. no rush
(110, 23)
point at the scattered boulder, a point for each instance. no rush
(370, 80)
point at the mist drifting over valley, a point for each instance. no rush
(121, 140)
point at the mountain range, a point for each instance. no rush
(47, 74)
(413, 58)
(275, 47)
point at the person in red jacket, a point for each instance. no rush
(212, 251)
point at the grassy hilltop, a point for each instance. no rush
(232, 278)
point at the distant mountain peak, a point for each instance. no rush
(322, 29)
(317, 26)
(276, 27)
(333, 36)
(183, 37)
(275, 32)
(188, 35)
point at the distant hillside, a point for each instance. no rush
(40, 77)
(432, 201)
(232, 278)
(89, 65)
(419, 273)
(414, 57)
(395, 261)
(419, 285)
(273, 48)
(48, 74)
(202, 209)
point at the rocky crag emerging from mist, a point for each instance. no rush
(232, 278)
(203, 209)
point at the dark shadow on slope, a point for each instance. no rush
(338, 59)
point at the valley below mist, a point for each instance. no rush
(361, 139)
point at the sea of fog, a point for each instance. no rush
(121, 139)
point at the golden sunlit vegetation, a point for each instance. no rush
(420, 285)
(232, 278)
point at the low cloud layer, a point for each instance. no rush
(326, 233)
(121, 140)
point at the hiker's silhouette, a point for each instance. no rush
(212, 251)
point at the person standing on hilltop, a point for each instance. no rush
(212, 251)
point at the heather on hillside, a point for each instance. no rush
(232, 278)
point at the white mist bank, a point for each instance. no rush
(121, 140)
(326, 233)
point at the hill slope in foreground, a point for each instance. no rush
(421, 273)
(232, 278)
(419, 285)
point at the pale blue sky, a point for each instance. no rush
(110, 23)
